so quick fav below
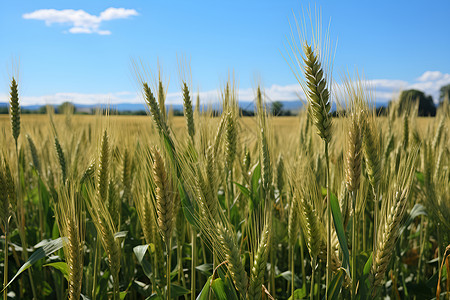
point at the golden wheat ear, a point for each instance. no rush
(233, 257)
(70, 217)
(164, 199)
(260, 262)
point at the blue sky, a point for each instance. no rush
(81, 51)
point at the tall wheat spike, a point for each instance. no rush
(103, 168)
(34, 154)
(71, 224)
(233, 257)
(14, 110)
(61, 158)
(394, 212)
(10, 186)
(259, 262)
(320, 105)
(317, 92)
(354, 154)
(162, 100)
(126, 177)
(103, 222)
(373, 167)
(188, 110)
(164, 199)
(265, 160)
(230, 139)
(154, 109)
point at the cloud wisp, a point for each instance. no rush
(79, 20)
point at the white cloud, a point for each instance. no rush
(429, 82)
(117, 13)
(430, 75)
(81, 21)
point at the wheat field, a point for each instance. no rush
(227, 207)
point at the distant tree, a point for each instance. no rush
(444, 92)
(65, 107)
(246, 113)
(277, 108)
(426, 104)
(42, 110)
(4, 110)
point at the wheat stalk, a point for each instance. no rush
(126, 177)
(394, 212)
(319, 103)
(233, 257)
(71, 224)
(259, 262)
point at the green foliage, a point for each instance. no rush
(409, 97)
(444, 93)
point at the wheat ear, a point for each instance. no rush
(162, 100)
(14, 110)
(164, 200)
(233, 257)
(126, 177)
(266, 166)
(317, 92)
(101, 215)
(320, 105)
(71, 224)
(353, 154)
(394, 215)
(61, 159)
(154, 109)
(10, 185)
(188, 111)
(373, 167)
(259, 263)
(34, 154)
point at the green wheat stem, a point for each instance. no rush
(439, 243)
(292, 270)
(302, 260)
(354, 245)
(313, 270)
(272, 269)
(25, 254)
(5, 264)
(193, 261)
(328, 278)
(168, 269)
(21, 224)
(180, 264)
(375, 219)
(116, 288)
(422, 245)
(41, 211)
(230, 196)
(96, 261)
(364, 243)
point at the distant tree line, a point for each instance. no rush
(406, 99)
